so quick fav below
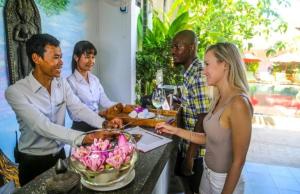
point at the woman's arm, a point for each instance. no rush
(240, 122)
(198, 138)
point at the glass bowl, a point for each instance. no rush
(106, 161)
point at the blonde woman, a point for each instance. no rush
(227, 126)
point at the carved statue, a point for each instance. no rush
(22, 21)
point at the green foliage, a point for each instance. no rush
(154, 52)
(233, 21)
(252, 66)
(52, 7)
(213, 21)
(140, 30)
(149, 60)
(278, 46)
(276, 68)
(252, 89)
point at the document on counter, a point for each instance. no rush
(149, 140)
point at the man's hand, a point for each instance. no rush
(114, 123)
(103, 134)
(187, 166)
(102, 113)
(188, 162)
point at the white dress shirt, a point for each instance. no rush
(90, 93)
(41, 116)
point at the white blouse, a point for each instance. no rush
(90, 93)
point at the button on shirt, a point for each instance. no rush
(41, 116)
(194, 96)
(90, 93)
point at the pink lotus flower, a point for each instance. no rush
(102, 153)
(95, 161)
(122, 140)
(115, 160)
(80, 152)
(127, 159)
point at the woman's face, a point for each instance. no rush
(214, 70)
(85, 62)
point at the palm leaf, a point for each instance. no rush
(178, 24)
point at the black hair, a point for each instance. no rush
(37, 43)
(80, 48)
(190, 35)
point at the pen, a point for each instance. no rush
(169, 121)
(153, 134)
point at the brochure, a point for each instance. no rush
(149, 140)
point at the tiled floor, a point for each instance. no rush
(271, 179)
(273, 159)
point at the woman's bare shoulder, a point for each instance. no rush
(240, 103)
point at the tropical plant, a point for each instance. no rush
(278, 46)
(252, 66)
(154, 52)
(213, 21)
(52, 7)
(234, 21)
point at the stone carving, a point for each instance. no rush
(22, 21)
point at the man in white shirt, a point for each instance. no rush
(40, 101)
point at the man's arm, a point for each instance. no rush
(199, 104)
(37, 121)
(80, 110)
(192, 149)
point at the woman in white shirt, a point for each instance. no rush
(84, 84)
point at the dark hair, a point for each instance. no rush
(37, 43)
(80, 48)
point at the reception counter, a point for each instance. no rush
(151, 175)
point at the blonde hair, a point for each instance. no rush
(229, 53)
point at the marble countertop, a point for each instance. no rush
(147, 171)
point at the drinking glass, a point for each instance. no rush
(158, 98)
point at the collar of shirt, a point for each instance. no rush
(187, 72)
(36, 85)
(80, 78)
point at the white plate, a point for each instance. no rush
(111, 187)
(150, 115)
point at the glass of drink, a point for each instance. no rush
(158, 98)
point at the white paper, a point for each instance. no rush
(149, 140)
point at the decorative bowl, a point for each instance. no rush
(106, 161)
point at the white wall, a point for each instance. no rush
(115, 38)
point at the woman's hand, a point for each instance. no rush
(114, 123)
(166, 128)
